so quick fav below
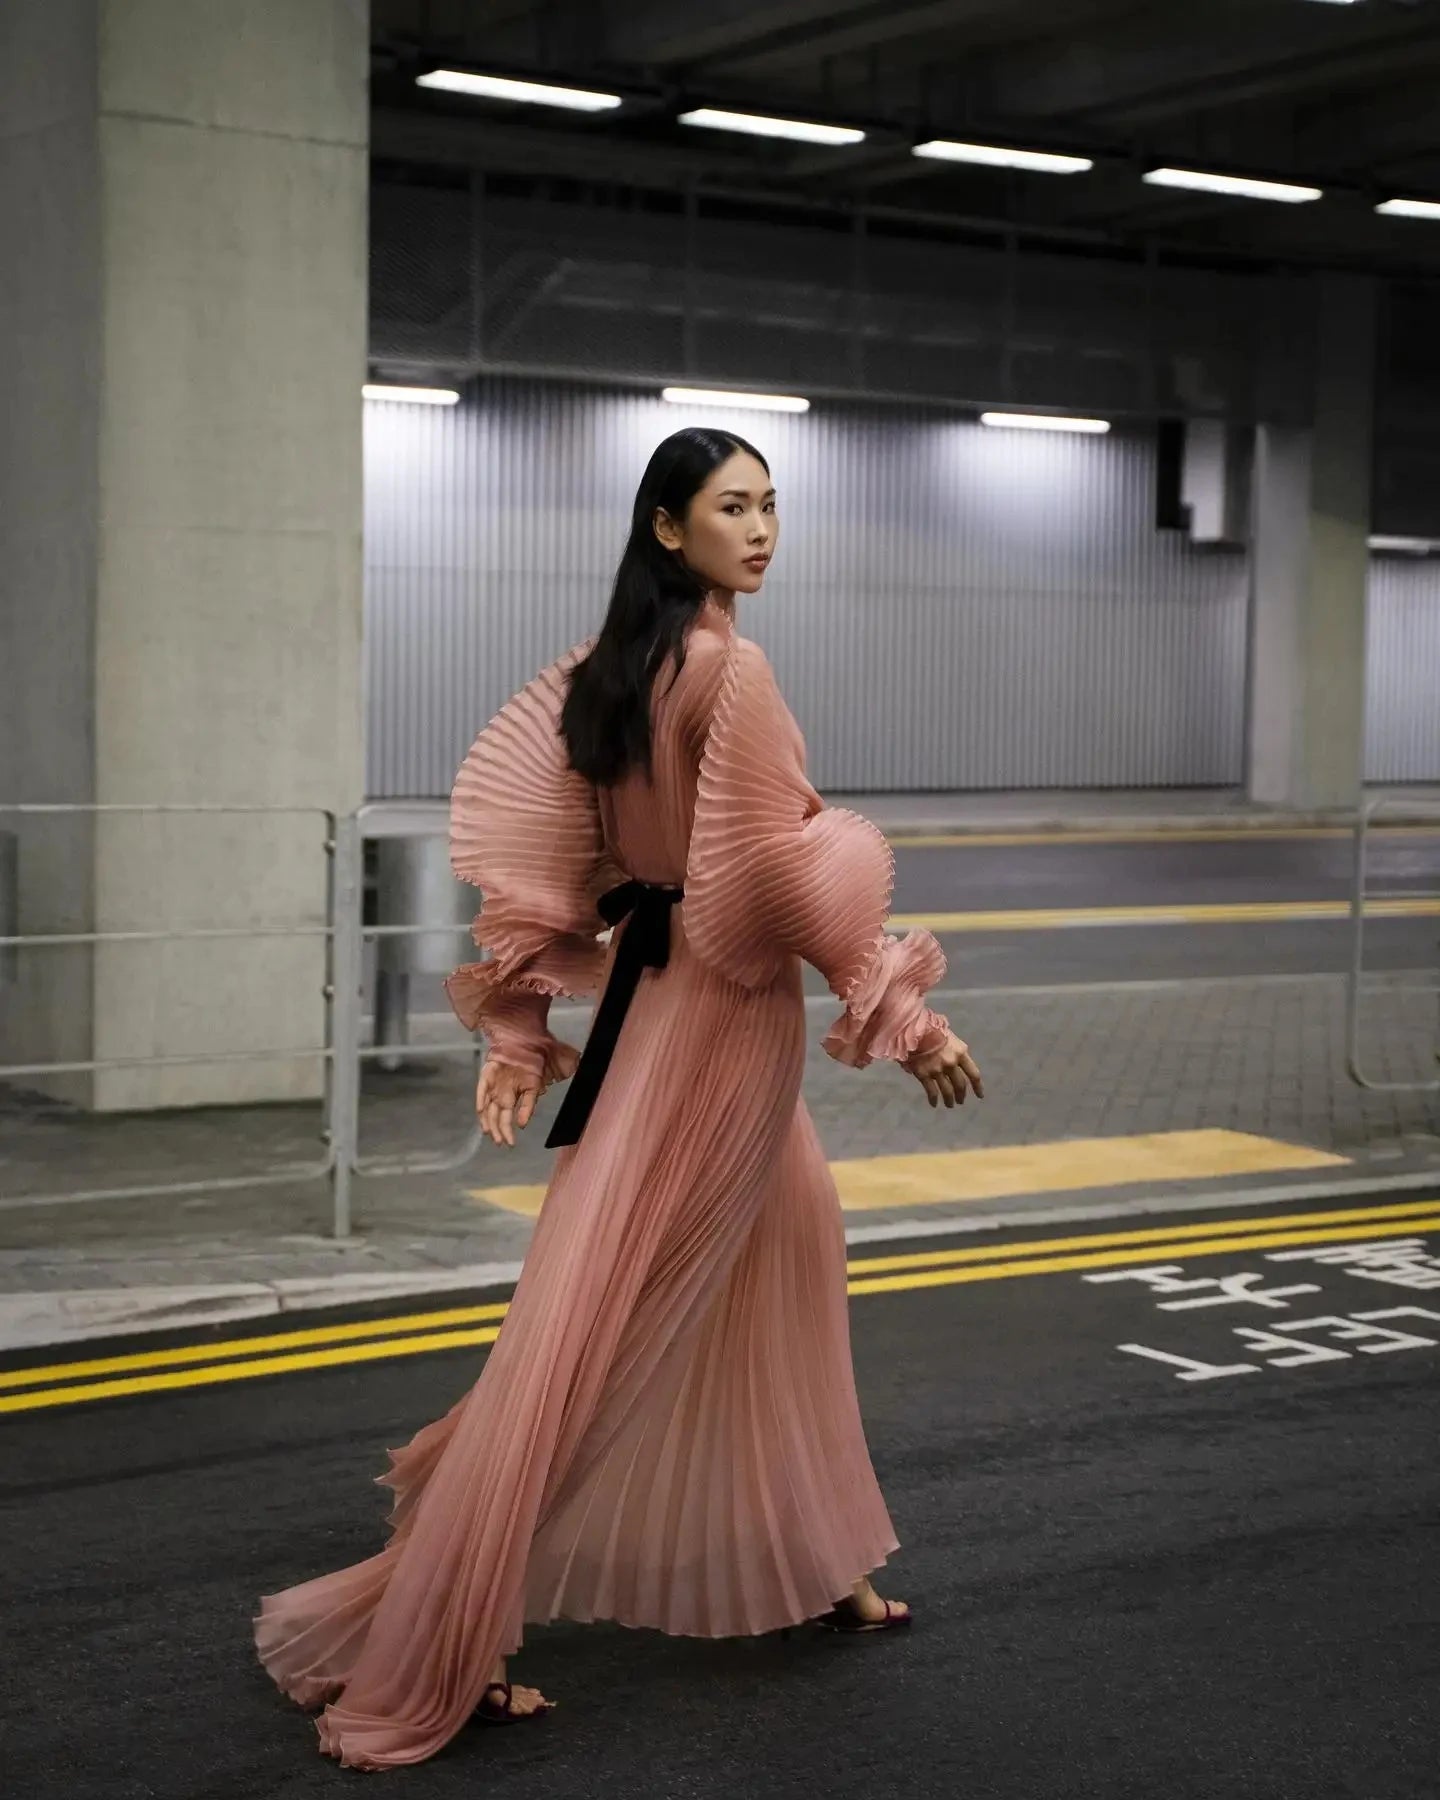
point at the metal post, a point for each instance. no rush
(1357, 945)
(343, 1099)
(9, 904)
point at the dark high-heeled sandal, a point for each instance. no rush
(491, 1714)
(845, 1615)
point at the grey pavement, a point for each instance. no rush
(1262, 1055)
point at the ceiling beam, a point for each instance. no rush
(442, 139)
(910, 24)
(863, 28)
(1124, 81)
(658, 34)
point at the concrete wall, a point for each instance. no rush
(50, 309)
(199, 528)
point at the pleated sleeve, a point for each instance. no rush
(525, 829)
(773, 871)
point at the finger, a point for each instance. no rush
(507, 1122)
(970, 1067)
(495, 1109)
(526, 1107)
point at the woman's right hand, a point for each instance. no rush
(944, 1073)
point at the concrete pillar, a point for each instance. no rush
(1309, 564)
(183, 200)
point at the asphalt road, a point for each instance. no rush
(1074, 873)
(1163, 1541)
(1070, 871)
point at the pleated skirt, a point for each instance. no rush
(666, 1431)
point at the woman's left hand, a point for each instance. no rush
(506, 1096)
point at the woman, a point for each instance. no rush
(666, 1432)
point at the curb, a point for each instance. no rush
(32, 1321)
(76, 1315)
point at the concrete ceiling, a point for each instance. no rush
(1338, 96)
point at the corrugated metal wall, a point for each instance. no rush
(952, 607)
(1402, 738)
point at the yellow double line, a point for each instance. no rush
(462, 1327)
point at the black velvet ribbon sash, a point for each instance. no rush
(644, 943)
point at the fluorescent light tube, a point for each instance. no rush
(1410, 209)
(426, 396)
(687, 396)
(684, 396)
(1404, 546)
(757, 125)
(1245, 186)
(943, 150)
(500, 87)
(1043, 422)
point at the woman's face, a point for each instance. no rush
(729, 533)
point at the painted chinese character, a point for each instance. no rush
(1209, 1290)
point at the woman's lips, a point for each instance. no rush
(757, 562)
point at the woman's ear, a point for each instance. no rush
(667, 530)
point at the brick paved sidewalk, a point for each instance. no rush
(1262, 1056)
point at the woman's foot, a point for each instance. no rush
(862, 1609)
(524, 1701)
(871, 1608)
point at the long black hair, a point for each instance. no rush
(605, 719)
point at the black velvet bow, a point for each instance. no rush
(644, 943)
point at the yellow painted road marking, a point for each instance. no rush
(1240, 912)
(871, 1183)
(1405, 1211)
(1006, 840)
(928, 1278)
(932, 1177)
(494, 1311)
(992, 1262)
(248, 1371)
(247, 1346)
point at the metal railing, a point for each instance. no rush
(341, 1054)
(427, 1165)
(1363, 900)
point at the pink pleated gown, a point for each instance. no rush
(666, 1431)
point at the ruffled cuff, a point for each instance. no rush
(885, 1014)
(512, 1009)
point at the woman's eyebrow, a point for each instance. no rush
(743, 493)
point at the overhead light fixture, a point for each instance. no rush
(1404, 546)
(1410, 209)
(424, 396)
(758, 125)
(1043, 422)
(685, 396)
(533, 93)
(1244, 186)
(1045, 161)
